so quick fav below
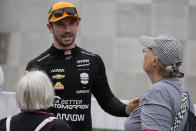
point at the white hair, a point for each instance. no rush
(34, 91)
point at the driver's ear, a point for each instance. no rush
(50, 28)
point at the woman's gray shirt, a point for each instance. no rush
(159, 107)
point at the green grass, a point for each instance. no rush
(98, 129)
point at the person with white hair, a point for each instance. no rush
(165, 104)
(1, 78)
(34, 95)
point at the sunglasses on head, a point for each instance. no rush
(59, 12)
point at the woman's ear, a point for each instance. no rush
(155, 61)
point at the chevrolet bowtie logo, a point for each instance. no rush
(59, 76)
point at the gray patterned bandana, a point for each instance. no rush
(168, 50)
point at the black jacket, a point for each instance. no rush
(29, 121)
(76, 74)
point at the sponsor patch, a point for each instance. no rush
(58, 86)
(87, 69)
(83, 62)
(58, 76)
(84, 78)
(83, 65)
(82, 91)
(68, 57)
(57, 70)
(67, 52)
(71, 117)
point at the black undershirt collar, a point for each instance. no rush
(60, 52)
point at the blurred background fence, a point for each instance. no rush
(101, 120)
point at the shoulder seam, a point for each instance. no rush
(43, 57)
(87, 53)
